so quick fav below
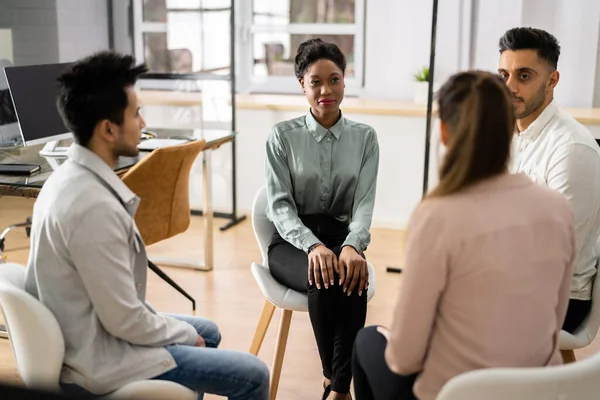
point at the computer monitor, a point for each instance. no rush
(9, 128)
(34, 91)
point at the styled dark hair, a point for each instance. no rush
(93, 89)
(313, 50)
(544, 43)
(476, 107)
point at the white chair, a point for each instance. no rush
(38, 346)
(277, 295)
(575, 381)
(586, 333)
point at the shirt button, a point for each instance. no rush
(329, 139)
(139, 286)
(326, 165)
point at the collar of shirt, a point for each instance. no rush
(319, 132)
(92, 162)
(535, 129)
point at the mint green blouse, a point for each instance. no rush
(313, 170)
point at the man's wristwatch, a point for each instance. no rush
(314, 246)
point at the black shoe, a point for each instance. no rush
(326, 392)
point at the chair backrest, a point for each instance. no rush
(161, 180)
(263, 227)
(571, 381)
(592, 322)
(35, 337)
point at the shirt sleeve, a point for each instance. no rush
(103, 260)
(572, 168)
(281, 206)
(423, 282)
(359, 235)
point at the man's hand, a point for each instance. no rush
(200, 342)
(353, 271)
(321, 263)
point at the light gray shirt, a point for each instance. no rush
(88, 265)
(313, 170)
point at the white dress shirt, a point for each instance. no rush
(558, 152)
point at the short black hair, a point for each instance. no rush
(313, 50)
(93, 89)
(546, 45)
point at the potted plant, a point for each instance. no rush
(421, 85)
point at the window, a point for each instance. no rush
(184, 36)
(273, 31)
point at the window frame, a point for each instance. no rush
(244, 63)
(288, 84)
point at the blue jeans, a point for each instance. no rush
(232, 374)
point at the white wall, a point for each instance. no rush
(82, 28)
(575, 23)
(34, 30)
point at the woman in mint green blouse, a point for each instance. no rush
(321, 179)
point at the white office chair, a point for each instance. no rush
(38, 346)
(576, 381)
(586, 333)
(277, 295)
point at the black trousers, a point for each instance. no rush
(373, 380)
(577, 311)
(336, 317)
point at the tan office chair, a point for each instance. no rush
(161, 181)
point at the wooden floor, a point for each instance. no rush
(229, 295)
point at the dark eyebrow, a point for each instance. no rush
(520, 70)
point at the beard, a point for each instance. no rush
(124, 150)
(531, 105)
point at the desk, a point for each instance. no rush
(30, 186)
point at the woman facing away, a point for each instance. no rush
(488, 261)
(321, 177)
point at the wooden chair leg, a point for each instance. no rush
(261, 328)
(284, 329)
(568, 356)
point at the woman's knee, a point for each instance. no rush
(365, 337)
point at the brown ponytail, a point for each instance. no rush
(476, 108)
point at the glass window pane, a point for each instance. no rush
(274, 53)
(155, 52)
(197, 4)
(184, 34)
(154, 11)
(194, 42)
(304, 11)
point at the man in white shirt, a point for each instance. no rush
(88, 263)
(554, 150)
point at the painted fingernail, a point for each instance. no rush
(326, 285)
(332, 282)
(318, 286)
(340, 282)
(360, 293)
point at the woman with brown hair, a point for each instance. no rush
(488, 261)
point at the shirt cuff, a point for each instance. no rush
(309, 240)
(354, 241)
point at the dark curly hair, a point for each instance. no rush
(93, 89)
(544, 43)
(313, 50)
